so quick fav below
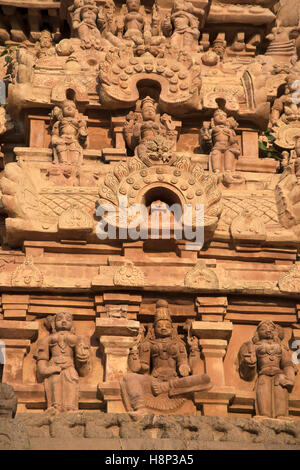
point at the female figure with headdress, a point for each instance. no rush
(271, 361)
(61, 358)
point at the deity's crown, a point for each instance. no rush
(219, 111)
(219, 42)
(46, 33)
(148, 102)
(162, 311)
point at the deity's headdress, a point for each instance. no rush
(278, 331)
(148, 102)
(162, 311)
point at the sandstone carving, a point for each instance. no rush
(6, 123)
(129, 275)
(271, 360)
(154, 381)
(290, 281)
(183, 25)
(248, 227)
(75, 218)
(121, 124)
(69, 134)
(27, 275)
(221, 138)
(61, 358)
(147, 126)
(201, 277)
(8, 401)
(84, 17)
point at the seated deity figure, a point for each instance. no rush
(221, 138)
(183, 25)
(84, 15)
(69, 135)
(160, 373)
(61, 358)
(271, 360)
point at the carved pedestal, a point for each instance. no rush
(116, 336)
(213, 340)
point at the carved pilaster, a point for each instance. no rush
(213, 340)
(117, 336)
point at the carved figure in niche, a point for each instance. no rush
(84, 16)
(45, 45)
(69, 136)
(271, 360)
(160, 373)
(285, 108)
(148, 124)
(183, 25)
(219, 136)
(61, 358)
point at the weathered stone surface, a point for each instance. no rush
(111, 431)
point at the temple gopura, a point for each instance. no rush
(150, 224)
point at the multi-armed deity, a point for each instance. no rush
(267, 357)
(62, 357)
(160, 376)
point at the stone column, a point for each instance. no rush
(16, 336)
(15, 351)
(213, 340)
(117, 336)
